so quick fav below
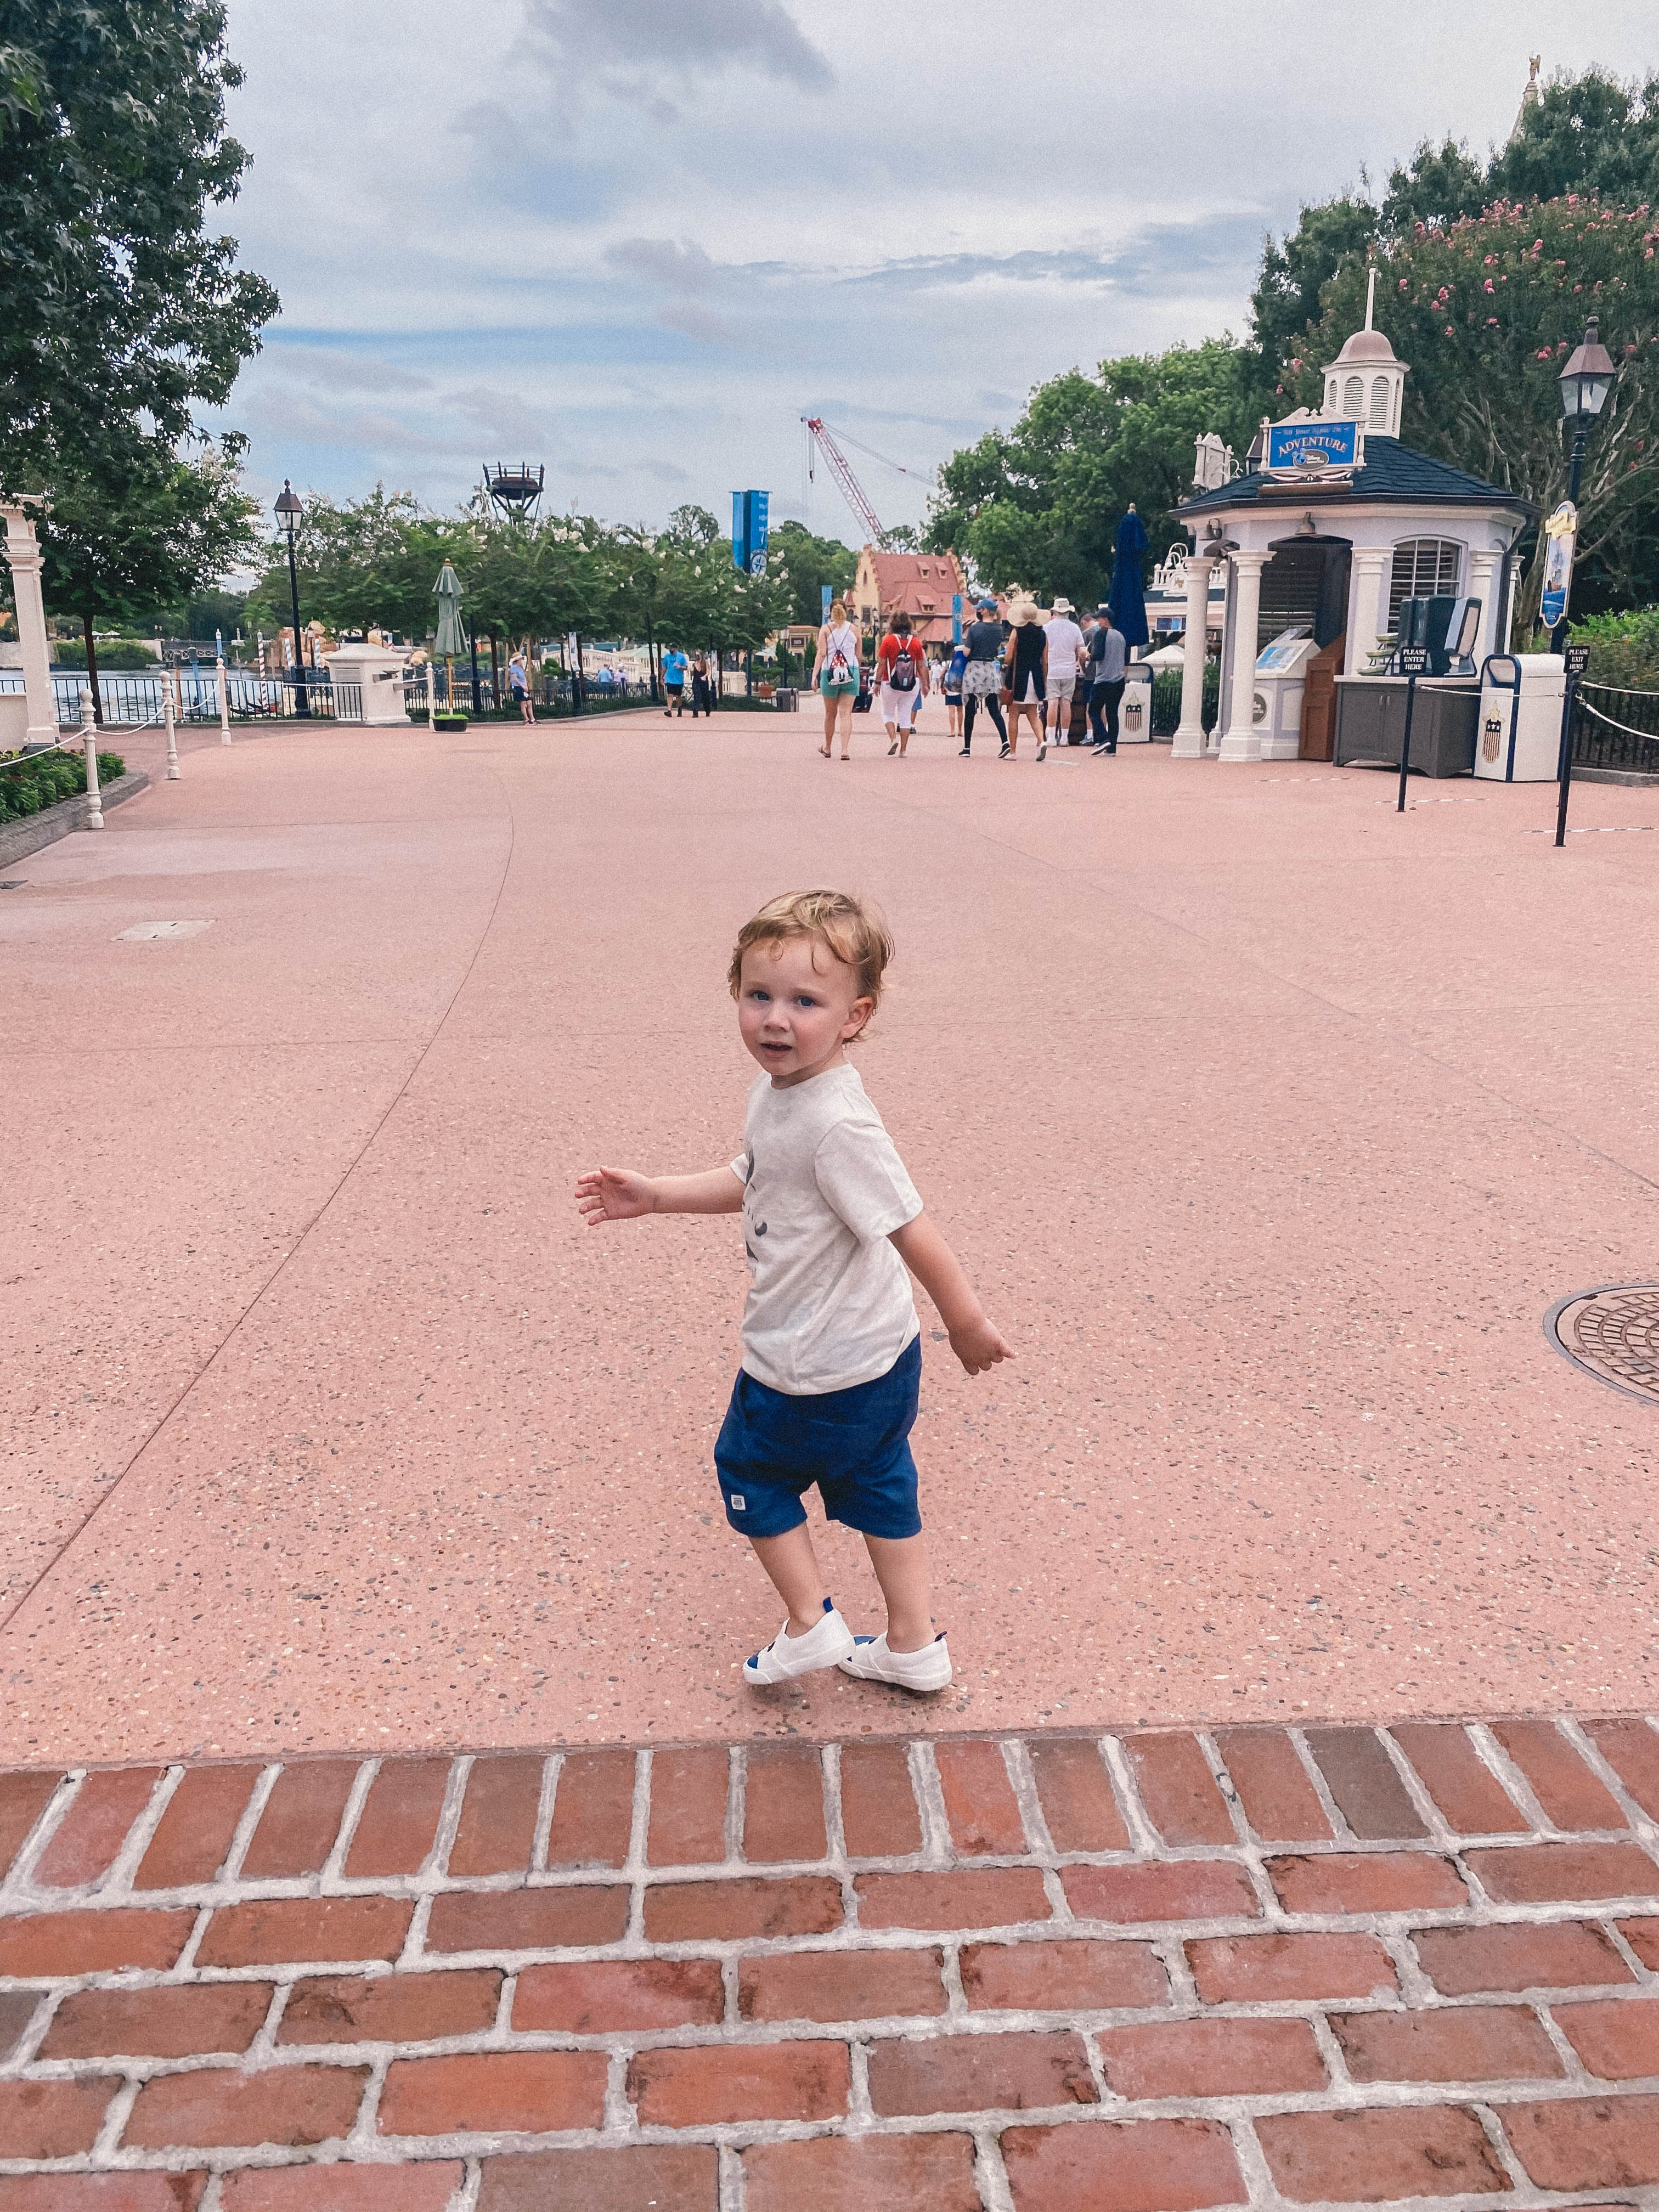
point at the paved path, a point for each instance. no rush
(1270, 1123)
(1151, 1973)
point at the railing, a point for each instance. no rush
(1614, 729)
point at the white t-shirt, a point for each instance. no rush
(1065, 644)
(829, 1301)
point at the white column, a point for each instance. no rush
(1189, 734)
(89, 740)
(172, 731)
(23, 555)
(1368, 605)
(224, 694)
(1486, 584)
(1242, 741)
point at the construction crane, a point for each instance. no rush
(851, 489)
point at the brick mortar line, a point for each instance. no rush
(1342, 1836)
(27, 1901)
(45, 1825)
(1417, 1790)
(501, 2040)
(1509, 1776)
(253, 1813)
(552, 1768)
(460, 2143)
(1399, 1924)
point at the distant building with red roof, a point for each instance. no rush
(919, 585)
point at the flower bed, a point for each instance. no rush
(30, 783)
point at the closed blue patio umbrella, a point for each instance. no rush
(1127, 599)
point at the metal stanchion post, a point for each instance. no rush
(432, 696)
(173, 733)
(224, 692)
(1413, 661)
(89, 740)
(1577, 660)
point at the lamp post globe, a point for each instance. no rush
(288, 511)
(1586, 383)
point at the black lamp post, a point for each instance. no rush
(288, 511)
(1586, 382)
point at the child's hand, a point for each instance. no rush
(978, 1346)
(615, 1195)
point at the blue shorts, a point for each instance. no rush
(855, 1444)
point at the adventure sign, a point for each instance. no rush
(1561, 536)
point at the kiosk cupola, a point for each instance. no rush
(1366, 384)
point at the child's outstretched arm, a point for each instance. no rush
(939, 1271)
(620, 1194)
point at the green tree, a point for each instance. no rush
(361, 564)
(1486, 310)
(1593, 133)
(808, 563)
(114, 300)
(1295, 271)
(152, 530)
(1039, 505)
(119, 313)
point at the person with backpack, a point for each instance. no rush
(901, 667)
(835, 673)
(952, 681)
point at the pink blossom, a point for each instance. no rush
(1543, 353)
(1490, 258)
(1491, 321)
(1538, 246)
(1402, 280)
(1572, 199)
(1449, 330)
(1490, 287)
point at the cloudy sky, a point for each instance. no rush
(637, 239)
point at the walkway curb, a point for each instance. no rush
(19, 839)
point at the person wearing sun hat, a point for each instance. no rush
(1065, 645)
(1025, 674)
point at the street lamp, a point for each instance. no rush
(288, 511)
(1586, 382)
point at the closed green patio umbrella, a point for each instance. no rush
(449, 640)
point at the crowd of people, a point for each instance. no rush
(1061, 680)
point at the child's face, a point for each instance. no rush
(796, 1005)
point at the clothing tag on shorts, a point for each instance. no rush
(737, 1503)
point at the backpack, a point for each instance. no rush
(841, 670)
(903, 675)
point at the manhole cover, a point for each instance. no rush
(1613, 1335)
(141, 932)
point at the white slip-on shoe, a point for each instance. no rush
(921, 1671)
(787, 1656)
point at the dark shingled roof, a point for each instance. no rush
(1392, 473)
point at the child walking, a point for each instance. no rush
(827, 1393)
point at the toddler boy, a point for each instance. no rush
(827, 1393)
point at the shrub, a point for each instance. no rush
(116, 653)
(28, 783)
(1623, 649)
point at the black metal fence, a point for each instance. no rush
(1614, 729)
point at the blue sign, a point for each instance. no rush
(749, 531)
(825, 595)
(1293, 444)
(956, 617)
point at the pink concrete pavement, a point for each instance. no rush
(1269, 1123)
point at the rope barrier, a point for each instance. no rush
(1650, 736)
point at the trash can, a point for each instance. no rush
(1135, 717)
(1520, 731)
(786, 700)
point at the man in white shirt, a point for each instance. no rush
(1064, 646)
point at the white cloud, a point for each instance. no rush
(638, 239)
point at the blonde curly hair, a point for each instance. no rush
(851, 930)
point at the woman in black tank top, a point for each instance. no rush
(1027, 666)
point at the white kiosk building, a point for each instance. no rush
(1319, 545)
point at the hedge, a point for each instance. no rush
(29, 783)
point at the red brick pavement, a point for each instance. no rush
(1148, 1972)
